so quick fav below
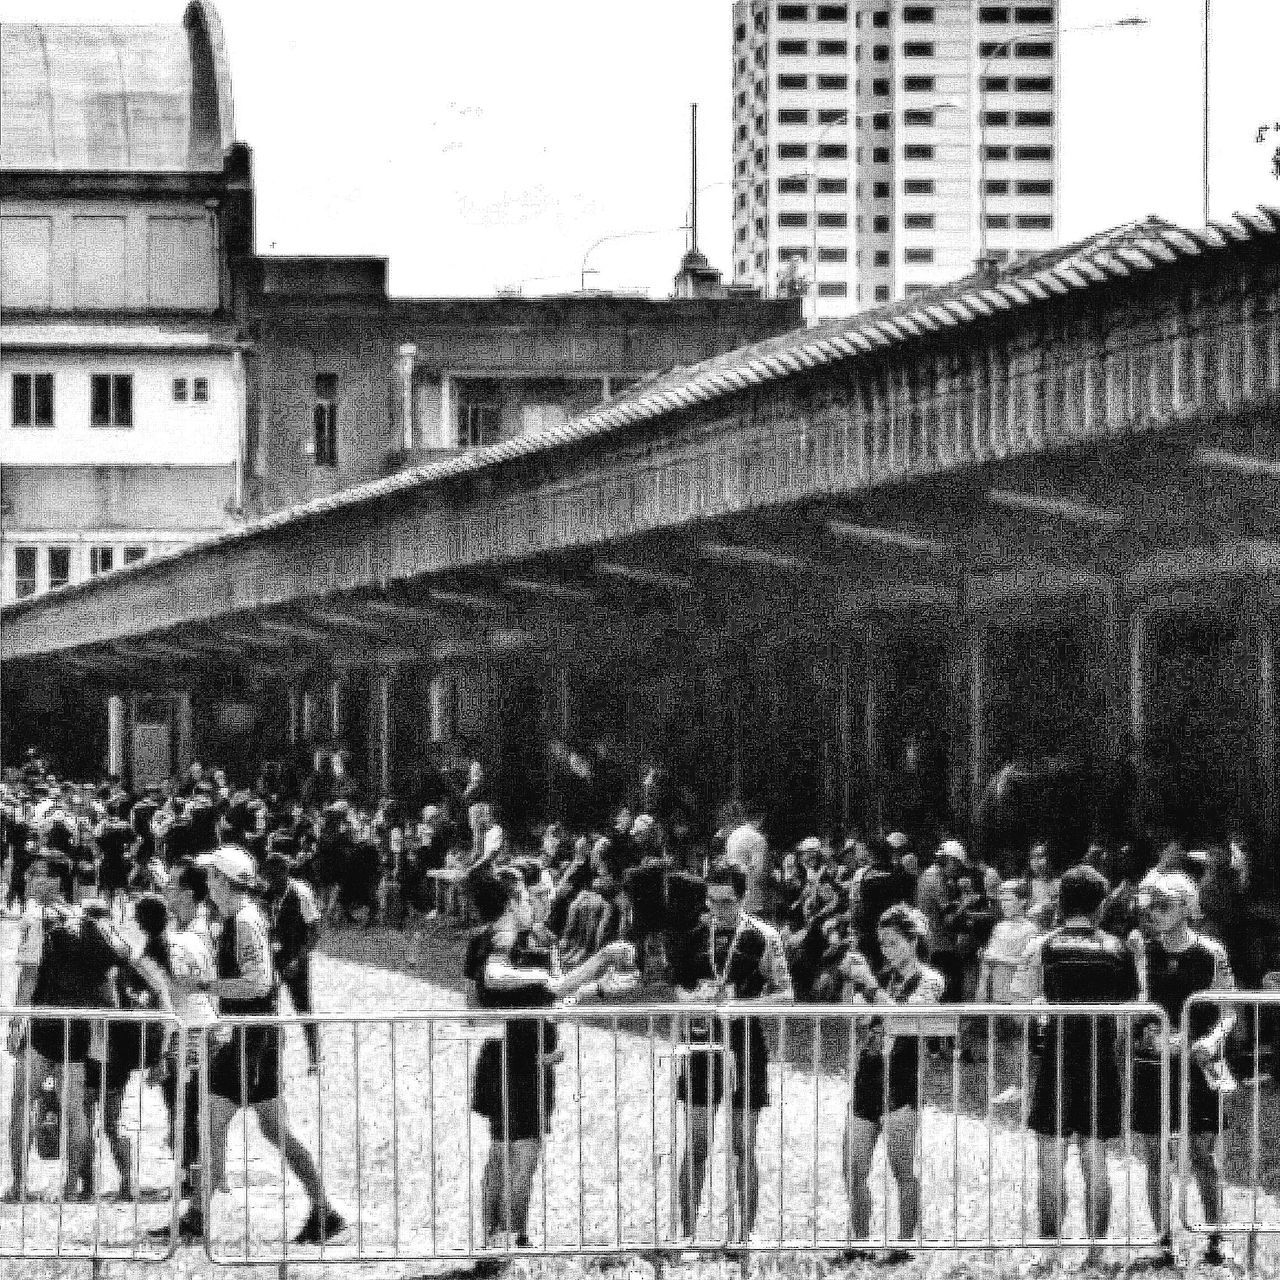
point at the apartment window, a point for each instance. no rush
(880, 53)
(995, 117)
(793, 219)
(200, 390)
(1034, 84)
(740, 32)
(997, 153)
(1040, 14)
(833, 48)
(742, 133)
(918, 13)
(881, 258)
(1034, 222)
(993, 13)
(793, 47)
(1034, 119)
(916, 290)
(880, 19)
(1034, 49)
(880, 191)
(880, 120)
(793, 186)
(880, 224)
(793, 115)
(881, 88)
(918, 84)
(742, 235)
(133, 554)
(917, 117)
(833, 151)
(1035, 187)
(918, 255)
(997, 221)
(917, 151)
(324, 418)
(32, 399)
(995, 84)
(24, 572)
(793, 12)
(918, 49)
(101, 560)
(993, 49)
(793, 253)
(997, 187)
(833, 186)
(833, 82)
(833, 219)
(180, 390)
(832, 117)
(833, 255)
(111, 400)
(742, 165)
(918, 221)
(792, 150)
(58, 562)
(1030, 153)
(793, 82)
(833, 289)
(882, 293)
(880, 155)
(918, 187)
(833, 13)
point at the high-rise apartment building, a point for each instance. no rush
(882, 147)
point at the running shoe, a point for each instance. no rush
(321, 1225)
(190, 1229)
(1216, 1254)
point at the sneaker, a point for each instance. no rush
(14, 1195)
(190, 1229)
(1216, 1254)
(321, 1225)
(1163, 1259)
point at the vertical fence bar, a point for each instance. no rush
(395, 1140)
(359, 1136)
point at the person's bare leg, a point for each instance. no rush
(1050, 1153)
(275, 1129)
(221, 1113)
(699, 1128)
(900, 1152)
(746, 1171)
(28, 1068)
(860, 1137)
(1097, 1186)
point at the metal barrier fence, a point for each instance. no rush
(1234, 1108)
(72, 1082)
(600, 1105)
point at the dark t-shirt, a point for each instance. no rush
(1083, 965)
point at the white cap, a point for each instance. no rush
(1174, 884)
(233, 862)
(951, 849)
(494, 839)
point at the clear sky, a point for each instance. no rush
(481, 144)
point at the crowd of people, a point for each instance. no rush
(228, 886)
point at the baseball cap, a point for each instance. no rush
(896, 840)
(233, 862)
(1176, 885)
(494, 839)
(951, 849)
(810, 844)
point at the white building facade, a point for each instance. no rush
(125, 207)
(882, 147)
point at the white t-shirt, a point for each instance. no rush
(194, 970)
(746, 845)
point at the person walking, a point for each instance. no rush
(295, 931)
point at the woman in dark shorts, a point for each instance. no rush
(886, 1088)
(512, 968)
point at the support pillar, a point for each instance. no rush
(976, 671)
(335, 709)
(1139, 644)
(448, 422)
(295, 716)
(872, 709)
(380, 743)
(115, 736)
(606, 387)
(1115, 673)
(407, 353)
(1268, 795)
(182, 733)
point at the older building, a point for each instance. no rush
(125, 221)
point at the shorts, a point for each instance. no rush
(1202, 1111)
(1089, 1105)
(246, 1070)
(701, 1082)
(869, 1085)
(525, 1112)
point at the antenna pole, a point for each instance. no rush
(693, 188)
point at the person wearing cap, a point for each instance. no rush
(244, 1068)
(1077, 1092)
(747, 846)
(295, 931)
(1178, 962)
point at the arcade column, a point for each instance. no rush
(380, 737)
(1264, 648)
(975, 671)
(295, 716)
(183, 733)
(335, 709)
(874, 658)
(116, 729)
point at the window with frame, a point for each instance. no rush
(918, 255)
(1029, 153)
(792, 150)
(1034, 222)
(833, 82)
(833, 289)
(880, 224)
(832, 151)
(793, 219)
(793, 82)
(58, 563)
(832, 254)
(1034, 49)
(880, 155)
(996, 153)
(180, 390)
(880, 18)
(996, 187)
(993, 49)
(917, 49)
(917, 151)
(833, 13)
(793, 48)
(1034, 119)
(918, 84)
(919, 187)
(478, 420)
(917, 117)
(833, 219)
(917, 13)
(793, 186)
(324, 421)
(833, 48)
(995, 117)
(1034, 14)
(881, 258)
(101, 560)
(880, 53)
(793, 253)
(882, 293)
(881, 88)
(993, 13)
(793, 115)
(200, 390)
(32, 404)
(793, 13)
(24, 572)
(918, 221)
(880, 191)
(833, 186)
(740, 32)
(1034, 187)
(133, 554)
(916, 290)
(997, 221)
(880, 120)
(111, 400)
(1034, 84)
(833, 117)
(995, 84)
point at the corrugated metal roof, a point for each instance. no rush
(1147, 246)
